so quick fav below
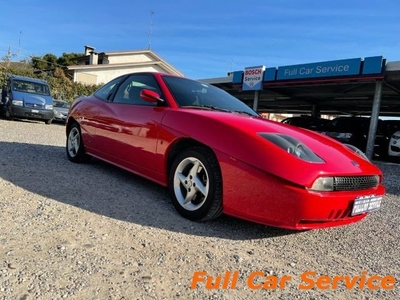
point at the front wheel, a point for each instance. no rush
(48, 122)
(8, 114)
(75, 148)
(195, 184)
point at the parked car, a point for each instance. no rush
(307, 122)
(389, 128)
(27, 98)
(354, 131)
(217, 155)
(394, 145)
(61, 109)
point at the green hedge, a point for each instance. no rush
(61, 86)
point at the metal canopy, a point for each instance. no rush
(352, 96)
(375, 95)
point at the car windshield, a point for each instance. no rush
(61, 104)
(347, 123)
(194, 94)
(30, 87)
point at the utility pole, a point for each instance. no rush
(8, 56)
(19, 43)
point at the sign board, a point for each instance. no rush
(373, 65)
(343, 67)
(253, 78)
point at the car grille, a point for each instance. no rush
(352, 183)
(34, 105)
(395, 149)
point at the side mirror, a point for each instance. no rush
(150, 96)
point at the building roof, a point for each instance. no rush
(156, 60)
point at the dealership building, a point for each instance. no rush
(367, 86)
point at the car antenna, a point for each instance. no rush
(151, 30)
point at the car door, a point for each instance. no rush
(129, 131)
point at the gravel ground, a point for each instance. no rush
(92, 231)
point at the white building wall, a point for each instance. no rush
(128, 58)
(105, 75)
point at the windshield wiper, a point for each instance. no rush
(212, 107)
(245, 113)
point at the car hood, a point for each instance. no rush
(239, 136)
(32, 98)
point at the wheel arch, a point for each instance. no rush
(181, 145)
(212, 207)
(70, 122)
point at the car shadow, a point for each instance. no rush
(59, 123)
(23, 120)
(54, 122)
(109, 191)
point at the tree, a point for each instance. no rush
(50, 69)
(68, 59)
(17, 68)
(51, 60)
(48, 61)
(38, 63)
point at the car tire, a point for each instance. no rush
(195, 184)
(48, 122)
(8, 114)
(74, 146)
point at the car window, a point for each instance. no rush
(62, 104)
(129, 91)
(191, 93)
(349, 124)
(105, 92)
(30, 87)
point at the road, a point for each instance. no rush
(93, 231)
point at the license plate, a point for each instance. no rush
(34, 111)
(366, 204)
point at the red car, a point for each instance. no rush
(217, 155)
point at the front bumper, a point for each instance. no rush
(34, 114)
(269, 200)
(394, 147)
(60, 118)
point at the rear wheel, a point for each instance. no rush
(75, 148)
(195, 184)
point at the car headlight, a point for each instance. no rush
(323, 184)
(292, 146)
(48, 106)
(57, 113)
(17, 102)
(357, 151)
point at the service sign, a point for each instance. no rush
(252, 78)
(343, 67)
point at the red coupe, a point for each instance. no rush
(216, 155)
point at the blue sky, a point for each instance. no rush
(205, 39)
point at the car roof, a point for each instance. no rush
(352, 119)
(24, 78)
